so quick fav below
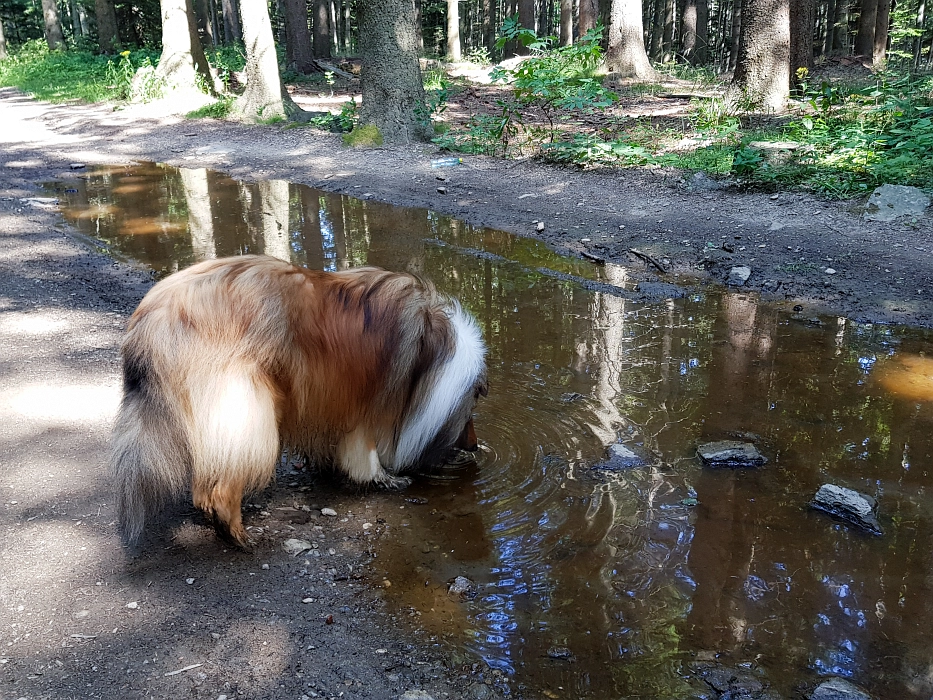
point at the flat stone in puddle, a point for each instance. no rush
(839, 689)
(730, 453)
(851, 506)
(620, 457)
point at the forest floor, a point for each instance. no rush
(189, 618)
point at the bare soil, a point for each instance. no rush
(188, 618)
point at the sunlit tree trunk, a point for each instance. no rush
(78, 19)
(526, 18)
(322, 29)
(566, 22)
(107, 38)
(3, 52)
(265, 96)
(626, 56)
(231, 12)
(762, 74)
(183, 64)
(882, 22)
(298, 37)
(588, 15)
(393, 94)
(54, 36)
(453, 31)
(918, 41)
(688, 35)
(273, 198)
(200, 216)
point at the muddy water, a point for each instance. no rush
(596, 579)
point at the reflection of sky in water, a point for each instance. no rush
(327, 241)
(839, 628)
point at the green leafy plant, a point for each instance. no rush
(746, 160)
(220, 109)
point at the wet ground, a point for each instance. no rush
(610, 577)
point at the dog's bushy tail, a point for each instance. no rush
(150, 461)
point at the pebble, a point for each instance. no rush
(540, 226)
(829, 271)
(307, 600)
(329, 512)
(730, 453)
(562, 653)
(738, 275)
(415, 695)
(442, 190)
(853, 507)
(367, 526)
(189, 581)
(839, 689)
(77, 166)
(265, 567)
(463, 587)
(295, 546)
(133, 605)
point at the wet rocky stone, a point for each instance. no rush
(851, 506)
(415, 695)
(738, 275)
(295, 546)
(839, 689)
(620, 457)
(560, 653)
(730, 453)
(890, 202)
(660, 290)
(734, 682)
(463, 587)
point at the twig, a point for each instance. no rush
(647, 258)
(182, 670)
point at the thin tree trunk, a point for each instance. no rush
(588, 14)
(865, 39)
(841, 27)
(232, 32)
(526, 18)
(393, 94)
(200, 215)
(346, 26)
(882, 22)
(183, 58)
(203, 14)
(762, 74)
(453, 31)
(78, 22)
(701, 54)
(668, 46)
(566, 22)
(489, 25)
(54, 36)
(802, 13)
(332, 26)
(626, 56)
(107, 38)
(298, 37)
(827, 45)
(735, 38)
(918, 42)
(322, 29)
(657, 30)
(688, 35)
(3, 51)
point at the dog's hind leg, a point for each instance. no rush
(359, 459)
(235, 446)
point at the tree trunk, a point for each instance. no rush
(865, 39)
(701, 54)
(656, 44)
(54, 36)
(566, 22)
(827, 45)
(762, 74)
(489, 26)
(688, 35)
(390, 77)
(297, 37)
(453, 31)
(841, 27)
(735, 37)
(200, 215)
(667, 51)
(3, 52)
(203, 14)
(232, 33)
(322, 29)
(802, 26)
(526, 18)
(882, 21)
(183, 58)
(107, 38)
(265, 96)
(78, 22)
(626, 56)
(274, 199)
(918, 42)
(588, 13)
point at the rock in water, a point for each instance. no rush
(839, 689)
(620, 457)
(851, 506)
(889, 202)
(730, 453)
(738, 275)
(463, 587)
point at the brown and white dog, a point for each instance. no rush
(230, 361)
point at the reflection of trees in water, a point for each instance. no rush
(200, 216)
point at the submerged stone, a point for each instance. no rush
(851, 506)
(839, 689)
(730, 453)
(620, 457)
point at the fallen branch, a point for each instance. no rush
(331, 68)
(182, 670)
(647, 258)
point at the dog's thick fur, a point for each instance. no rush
(230, 361)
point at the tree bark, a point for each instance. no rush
(918, 42)
(802, 26)
(107, 38)
(735, 37)
(688, 35)
(762, 74)
(865, 39)
(626, 56)
(200, 215)
(3, 51)
(489, 26)
(322, 29)
(566, 22)
(526, 18)
(841, 27)
(78, 19)
(54, 36)
(298, 37)
(274, 199)
(588, 13)
(882, 22)
(390, 77)
(203, 15)
(232, 32)
(265, 96)
(453, 31)
(668, 45)
(701, 54)
(183, 58)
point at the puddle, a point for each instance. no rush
(610, 582)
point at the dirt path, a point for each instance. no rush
(191, 619)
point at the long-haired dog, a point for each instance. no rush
(230, 361)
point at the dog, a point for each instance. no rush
(231, 361)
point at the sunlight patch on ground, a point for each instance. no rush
(64, 404)
(32, 324)
(909, 377)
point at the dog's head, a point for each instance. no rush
(467, 438)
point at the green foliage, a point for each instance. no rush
(227, 60)
(364, 135)
(72, 75)
(746, 160)
(220, 109)
(343, 122)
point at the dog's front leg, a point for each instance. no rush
(359, 459)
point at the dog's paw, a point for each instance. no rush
(394, 483)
